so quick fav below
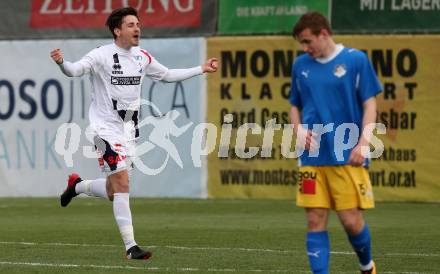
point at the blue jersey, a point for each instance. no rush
(332, 92)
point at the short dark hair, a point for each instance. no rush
(115, 18)
(314, 21)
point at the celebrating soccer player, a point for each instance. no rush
(117, 71)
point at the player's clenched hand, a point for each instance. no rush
(211, 65)
(57, 56)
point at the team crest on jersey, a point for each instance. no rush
(139, 59)
(339, 70)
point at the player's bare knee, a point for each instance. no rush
(351, 220)
(119, 182)
(121, 187)
(316, 225)
(317, 219)
(353, 226)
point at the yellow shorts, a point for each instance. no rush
(336, 187)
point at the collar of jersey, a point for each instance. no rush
(121, 50)
(338, 49)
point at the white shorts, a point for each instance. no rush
(114, 156)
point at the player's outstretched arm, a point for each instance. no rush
(68, 68)
(174, 75)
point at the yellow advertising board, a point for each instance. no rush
(408, 70)
(253, 86)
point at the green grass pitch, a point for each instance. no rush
(204, 236)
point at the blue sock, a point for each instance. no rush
(362, 245)
(318, 251)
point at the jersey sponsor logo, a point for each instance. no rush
(126, 81)
(339, 70)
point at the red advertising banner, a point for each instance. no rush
(84, 14)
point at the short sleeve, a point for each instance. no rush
(367, 81)
(294, 95)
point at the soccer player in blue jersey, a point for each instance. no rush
(332, 86)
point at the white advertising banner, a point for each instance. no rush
(36, 98)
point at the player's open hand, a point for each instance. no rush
(211, 65)
(57, 56)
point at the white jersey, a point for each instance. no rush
(116, 75)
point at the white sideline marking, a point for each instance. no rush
(126, 267)
(224, 248)
(414, 254)
(178, 269)
(57, 244)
